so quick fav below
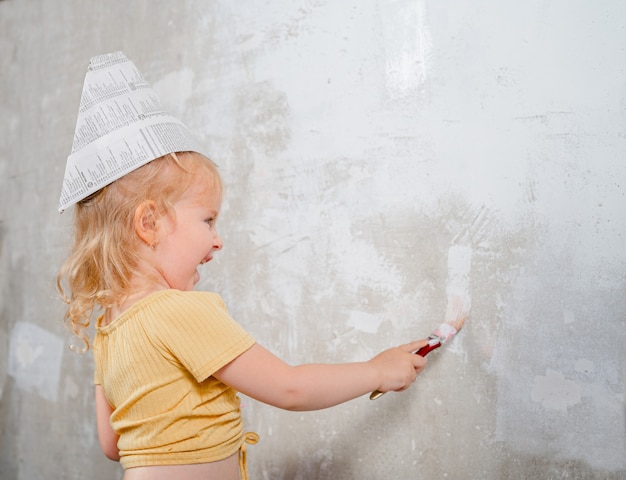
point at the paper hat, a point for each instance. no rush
(121, 126)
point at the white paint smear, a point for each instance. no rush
(35, 359)
(459, 266)
(408, 45)
(555, 392)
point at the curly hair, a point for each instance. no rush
(104, 257)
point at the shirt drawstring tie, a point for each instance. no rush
(251, 438)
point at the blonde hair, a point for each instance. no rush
(104, 257)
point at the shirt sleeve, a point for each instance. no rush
(198, 332)
(97, 372)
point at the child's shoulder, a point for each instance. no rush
(189, 298)
(166, 305)
(199, 294)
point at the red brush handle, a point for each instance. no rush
(431, 345)
(428, 348)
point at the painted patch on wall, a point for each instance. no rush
(35, 359)
(554, 391)
(4, 342)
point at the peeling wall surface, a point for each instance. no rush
(361, 142)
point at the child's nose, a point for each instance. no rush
(217, 242)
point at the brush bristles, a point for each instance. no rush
(457, 311)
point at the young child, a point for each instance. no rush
(169, 360)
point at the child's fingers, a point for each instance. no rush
(414, 346)
(419, 362)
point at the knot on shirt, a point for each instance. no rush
(248, 438)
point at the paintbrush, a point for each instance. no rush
(457, 288)
(456, 313)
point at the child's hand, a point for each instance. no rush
(398, 367)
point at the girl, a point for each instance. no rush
(169, 360)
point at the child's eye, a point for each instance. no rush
(210, 221)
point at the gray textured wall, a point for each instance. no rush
(360, 141)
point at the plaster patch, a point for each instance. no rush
(568, 317)
(365, 322)
(176, 87)
(264, 122)
(360, 262)
(71, 389)
(4, 341)
(584, 365)
(35, 359)
(555, 392)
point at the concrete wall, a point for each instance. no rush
(360, 142)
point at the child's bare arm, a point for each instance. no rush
(106, 435)
(259, 374)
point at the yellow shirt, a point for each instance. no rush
(155, 363)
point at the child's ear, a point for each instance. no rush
(146, 222)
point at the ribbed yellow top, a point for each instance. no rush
(155, 363)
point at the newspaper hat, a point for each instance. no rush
(121, 126)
